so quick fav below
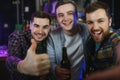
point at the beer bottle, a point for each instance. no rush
(65, 63)
(41, 47)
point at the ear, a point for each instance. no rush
(110, 21)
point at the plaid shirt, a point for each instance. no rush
(105, 56)
(18, 44)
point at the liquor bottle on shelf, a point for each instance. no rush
(27, 25)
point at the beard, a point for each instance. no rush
(101, 36)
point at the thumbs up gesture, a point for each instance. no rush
(34, 64)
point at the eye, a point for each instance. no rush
(70, 13)
(35, 25)
(100, 21)
(60, 15)
(46, 27)
(89, 22)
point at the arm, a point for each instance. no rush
(109, 74)
(14, 55)
(54, 48)
(29, 63)
(51, 53)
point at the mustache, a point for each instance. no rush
(39, 34)
(96, 30)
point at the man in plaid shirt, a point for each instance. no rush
(25, 61)
(103, 46)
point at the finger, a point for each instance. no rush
(33, 45)
(65, 71)
(44, 56)
(64, 77)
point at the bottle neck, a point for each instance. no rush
(64, 55)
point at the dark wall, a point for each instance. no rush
(8, 15)
(4, 73)
(24, 16)
(115, 12)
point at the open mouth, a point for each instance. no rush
(39, 36)
(97, 34)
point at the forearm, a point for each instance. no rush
(21, 68)
(52, 62)
(109, 74)
(11, 63)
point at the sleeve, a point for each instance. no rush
(84, 32)
(51, 53)
(118, 53)
(13, 53)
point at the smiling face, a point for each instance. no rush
(40, 28)
(65, 16)
(98, 24)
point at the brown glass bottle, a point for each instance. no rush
(41, 47)
(65, 63)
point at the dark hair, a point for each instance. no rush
(40, 14)
(62, 2)
(97, 5)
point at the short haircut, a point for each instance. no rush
(63, 2)
(40, 14)
(97, 5)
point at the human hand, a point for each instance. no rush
(34, 64)
(62, 73)
(94, 76)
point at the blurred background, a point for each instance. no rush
(15, 15)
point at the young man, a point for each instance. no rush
(71, 35)
(27, 58)
(103, 46)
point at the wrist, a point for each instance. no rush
(20, 67)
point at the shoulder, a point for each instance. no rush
(56, 36)
(83, 27)
(82, 24)
(19, 34)
(118, 31)
(56, 32)
(115, 36)
(83, 30)
(16, 33)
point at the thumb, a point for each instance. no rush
(33, 45)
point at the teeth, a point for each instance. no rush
(38, 35)
(97, 32)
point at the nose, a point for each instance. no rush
(65, 17)
(95, 26)
(40, 29)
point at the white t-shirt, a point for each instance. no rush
(74, 47)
